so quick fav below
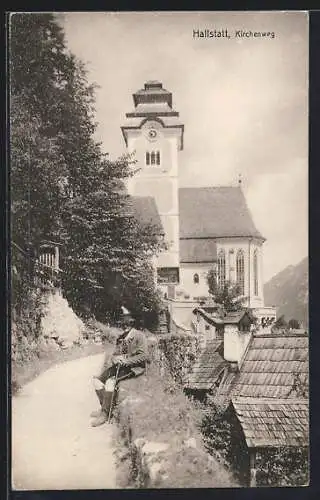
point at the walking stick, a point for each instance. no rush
(115, 385)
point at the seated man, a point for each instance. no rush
(128, 360)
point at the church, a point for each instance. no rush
(205, 228)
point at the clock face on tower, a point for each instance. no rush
(152, 134)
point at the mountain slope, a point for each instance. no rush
(288, 290)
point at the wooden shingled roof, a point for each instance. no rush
(207, 368)
(211, 318)
(270, 393)
(273, 423)
(275, 366)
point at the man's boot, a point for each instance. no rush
(101, 415)
(105, 408)
(105, 395)
(97, 413)
(100, 420)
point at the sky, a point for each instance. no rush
(243, 102)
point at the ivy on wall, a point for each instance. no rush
(179, 354)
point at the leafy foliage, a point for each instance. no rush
(228, 296)
(223, 438)
(180, 352)
(283, 467)
(64, 188)
(294, 324)
(280, 323)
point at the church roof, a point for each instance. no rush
(215, 212)
(145, 210)
(152, 108)
(205, 214)
(198, 250)
(152, 92)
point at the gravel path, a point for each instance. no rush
(53, 445)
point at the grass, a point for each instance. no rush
(158, 411)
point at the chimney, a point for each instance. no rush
(237, 334)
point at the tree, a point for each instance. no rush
(280, 323)
(228, 296)
(294, 324)
(52, 126)
(107, 256)
(64, 188)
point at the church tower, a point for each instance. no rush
(154, 134)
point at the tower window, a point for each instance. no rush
(196, 278)
(240, 270)
(255, 272)
(221, 269)
(153, 158)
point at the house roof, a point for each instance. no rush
(145, 210)
(198, 250)
(215, 212)
(207, 368)
(272, 423)
(45, 243)
(275, 366)
(235, 317)
(270, 393)
(211, 318)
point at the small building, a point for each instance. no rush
(207, 324)
(208, 371)
(49, 264)
(261, 382)
(49, 254)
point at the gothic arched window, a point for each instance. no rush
(255, 272)
(196, 278)
(158, 157)
(147, 158)
(221, 268)
(240, 270)
(153, 158)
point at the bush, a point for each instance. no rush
(223, 438)
(107, 333)
(180, 353)
(26, 331)
(283, 467)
